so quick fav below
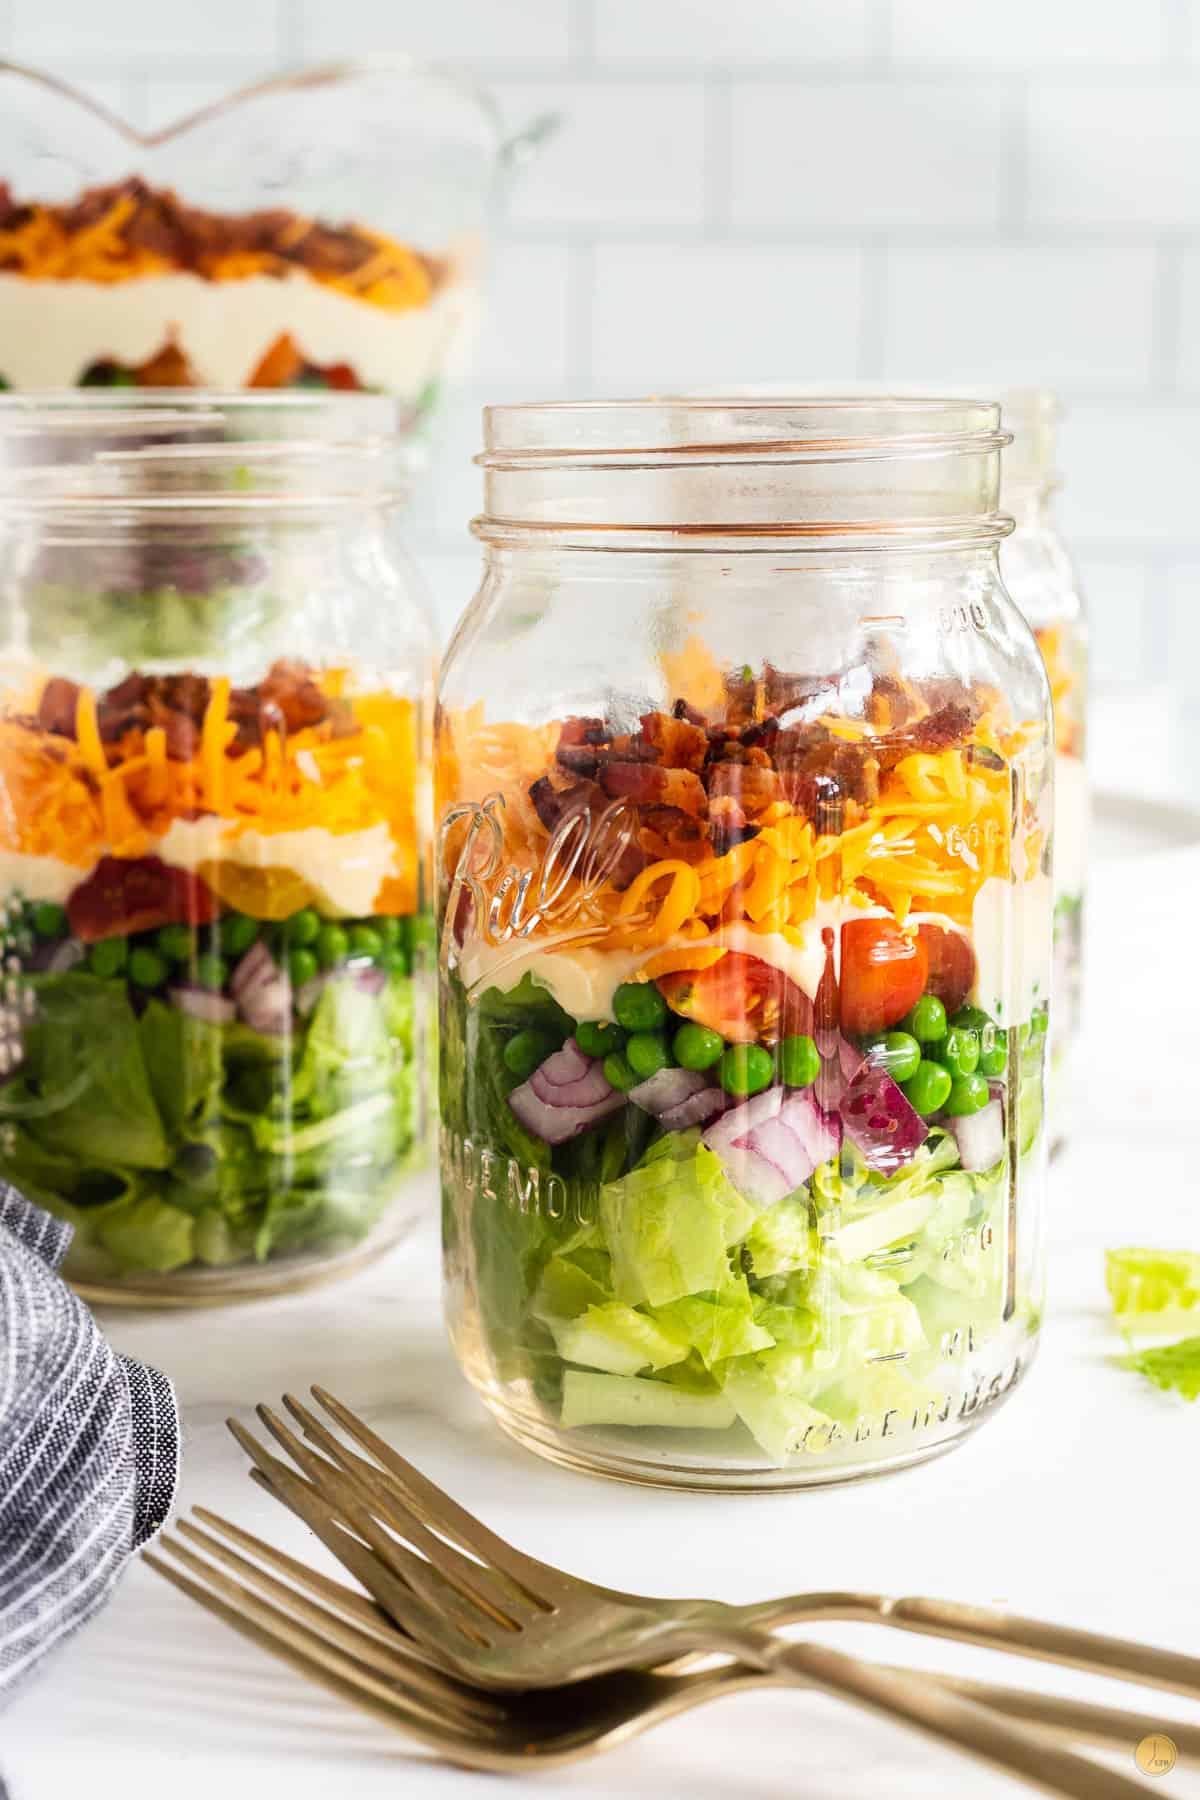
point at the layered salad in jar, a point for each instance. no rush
(129, 286)
(743, 1026)
(210, 1047)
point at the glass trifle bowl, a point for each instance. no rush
(743, 788)
(215, 692)
(322, 229)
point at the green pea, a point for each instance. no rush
(927, 1020)
(968, 1094)
(647, 1053)
(896, 1052)
(526, 1052)
(618, 1074)
(175, 942)
(927, 1090)
(302, 966)
(394, 958)
(49, 920)
(212, 971)
(595, 1038)
(304, 927)
(107, 958)
(365, 940)
(799, 1061)
(237, 932)
(333, 946)
(971, 1018)
(958, 1051)
(746, 1069)
(993, 1057)
(697, 1047)
(638, 1006)
(390, 930)
(147, 968)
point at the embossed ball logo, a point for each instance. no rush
(1156, 1754)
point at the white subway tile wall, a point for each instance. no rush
(831, 190)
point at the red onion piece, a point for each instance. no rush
(850, 1058)
(267, 1007)
(368, 980)
(698, 1109)
(979, 1136)
(878, 1118)
(742, 1119)
(257, 966)
(566, 1065)
(202, 1003)
(591, 1088)
(819, 1132)
(667, 1089)
(558, 1124)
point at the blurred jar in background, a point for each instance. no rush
(215, 674)
(1041, 578)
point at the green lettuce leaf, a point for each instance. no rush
(1173, 1367)
(1152, 1290)
(668, 1226)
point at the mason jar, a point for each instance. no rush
(1042, 579)
(743, 787)
(215, 691)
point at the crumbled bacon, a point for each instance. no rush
(56, 708)
(676, 743)
(648, 785)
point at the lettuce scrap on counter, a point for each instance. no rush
(1158, 1291)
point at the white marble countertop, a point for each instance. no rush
(1076, 1501)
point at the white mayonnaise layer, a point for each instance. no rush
(50, 331)
(39, 877)
(1070, 825)
(343, 869)
(1012, 933)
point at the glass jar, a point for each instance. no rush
(1041, 578)
(743, 785)
(323, 228)
(215, 690)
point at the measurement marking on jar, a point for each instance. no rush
(970, 615)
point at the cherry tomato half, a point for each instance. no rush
(742, 997)
(951, 965)
(124, 894)
(883, 974)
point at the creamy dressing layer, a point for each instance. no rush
(1071, 808)
(1012, 935)
(344, 871)
(50, 331)
(39, 877)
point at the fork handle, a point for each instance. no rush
(991, 1629)
(938, 1712)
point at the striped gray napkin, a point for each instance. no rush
(89, 1448)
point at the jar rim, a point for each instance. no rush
(740, 426)
(149, 451)
(700, 466)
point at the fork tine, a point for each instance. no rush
(537, 1580)
(368, 1614)
(473, 1578)
(391, 1659)
(398, 1601)
(459, 1608)
(303, 1651)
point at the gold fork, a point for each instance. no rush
(347, 1644)
(506, 1620)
